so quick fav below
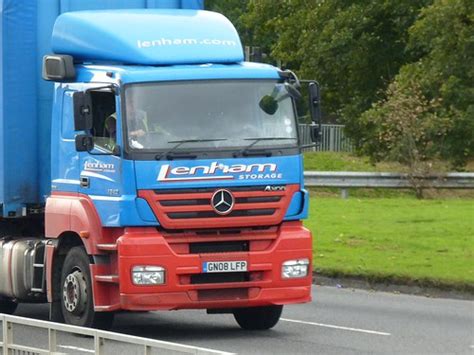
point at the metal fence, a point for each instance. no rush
(347, 179)
(386, 180)
(332, 138)
(56, 338)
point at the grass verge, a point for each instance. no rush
(342, 161)
(399, 240)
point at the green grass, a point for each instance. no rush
(426, 242)
(339, 161)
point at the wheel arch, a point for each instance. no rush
(56, 253)
(68, 213)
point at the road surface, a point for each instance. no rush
(338, 321)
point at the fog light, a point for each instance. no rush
(292, 269)
(148, 275)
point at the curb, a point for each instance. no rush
(388, 286)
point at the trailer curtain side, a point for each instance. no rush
(26, 100)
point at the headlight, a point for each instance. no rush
(148, 275)
(295, 268)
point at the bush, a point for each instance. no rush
(409, 128)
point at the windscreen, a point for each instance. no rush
(209, 115)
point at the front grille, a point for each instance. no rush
(261, 199)
(211, 214)
(184, 202)
(218, 247)
(203, 201)
(192, 209)
(217, 278)
(219, 232)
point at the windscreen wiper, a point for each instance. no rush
(181, 142)
(248, 151)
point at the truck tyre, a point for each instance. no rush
(77, 305)
(7, 306)
(258, 318)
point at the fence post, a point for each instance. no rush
(98, 344)
(7, 335)
(331, 139)
(52, 340)
(344, 193)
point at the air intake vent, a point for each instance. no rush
(218, 247)
(218, 278)
(248, 206)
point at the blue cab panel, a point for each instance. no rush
(26, 100)
(147, 37)
(126, 176)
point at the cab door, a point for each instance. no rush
(64, 157)
(100, 167)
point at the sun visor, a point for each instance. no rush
(149, 37)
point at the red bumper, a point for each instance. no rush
(187, 287)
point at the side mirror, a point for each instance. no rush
(268, 104)
(84, 143)
(315, 110)
(315, 133)
(82, 111)
(58, 68)
(314, 102)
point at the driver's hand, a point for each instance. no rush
(138, 133)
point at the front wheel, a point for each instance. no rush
(258, 318)
(7, 306)
(77, 305)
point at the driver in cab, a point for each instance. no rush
(137, 122)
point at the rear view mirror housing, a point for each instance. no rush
(268, 105)
(84, 143)
(82, 111)
(314, 102)
(315, 133)
(58, 68)
(315, 110)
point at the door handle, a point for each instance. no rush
(85, 182)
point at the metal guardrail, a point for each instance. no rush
(344, 180)
(102, 340)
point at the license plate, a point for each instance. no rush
(224, 266)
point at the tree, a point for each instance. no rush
(233, 10)
(442, 41)
(354, 49)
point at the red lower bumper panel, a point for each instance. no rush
(189, 285)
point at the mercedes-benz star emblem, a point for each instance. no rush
(222, 201)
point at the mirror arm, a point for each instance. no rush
(113, 87)
(290, 77)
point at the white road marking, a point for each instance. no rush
(335, 327)
(70, 347)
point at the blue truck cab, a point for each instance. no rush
(176, 175)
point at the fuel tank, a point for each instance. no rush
(18, 260)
